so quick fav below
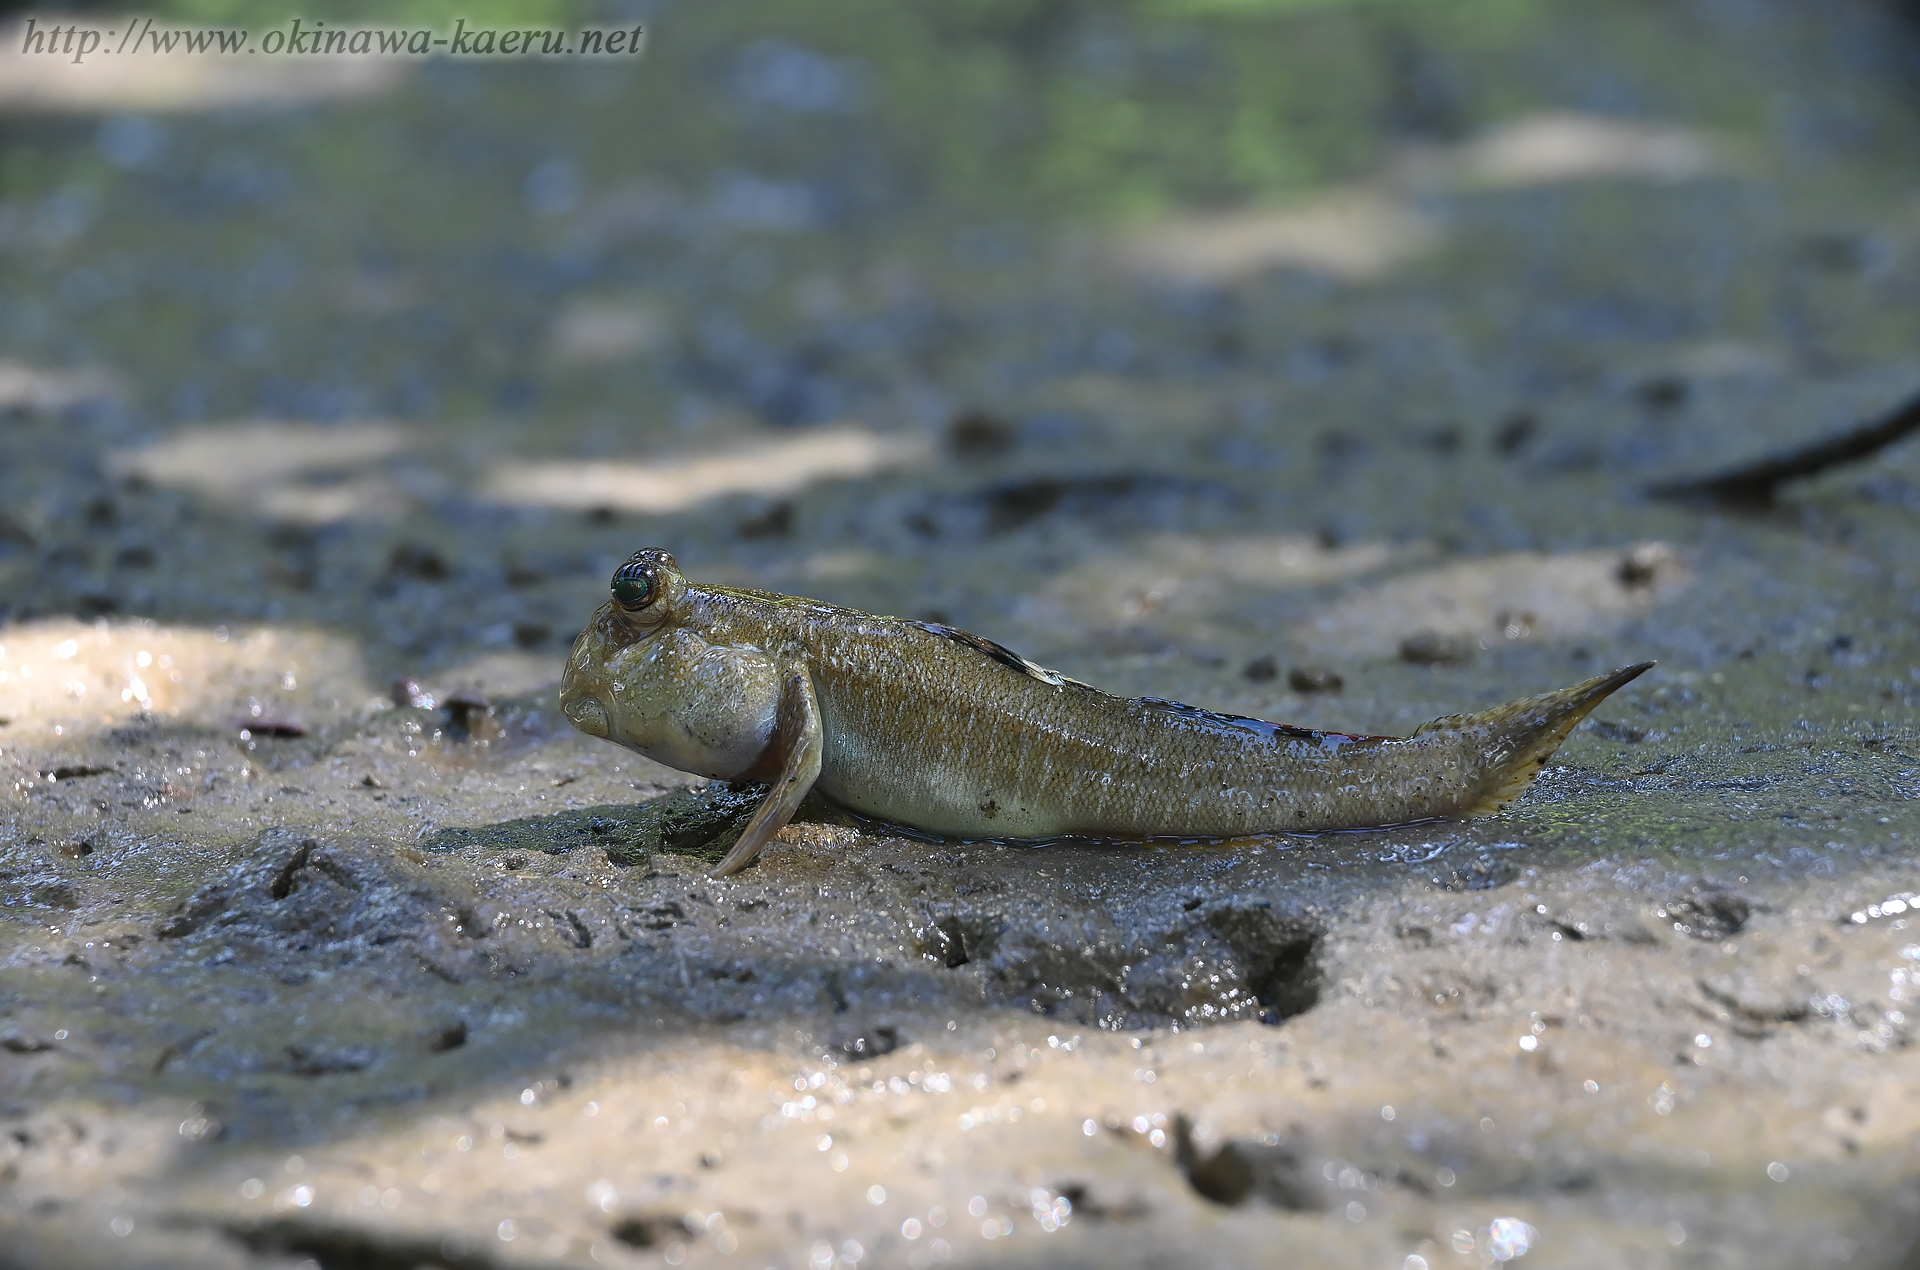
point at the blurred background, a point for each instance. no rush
(898, 296)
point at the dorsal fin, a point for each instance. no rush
(1000, 653)
(1260, 727)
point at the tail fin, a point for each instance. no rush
(1520, 736)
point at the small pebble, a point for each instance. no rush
(1430, 648)
(1315, 679)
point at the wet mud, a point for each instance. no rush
(324, 940)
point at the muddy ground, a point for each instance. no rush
(1309, 365)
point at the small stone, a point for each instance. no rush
(975, 434)
(416, 560)
(1513, 434)
(1431, 648)
(1643, 564)
(1664, 392)
(408, 692)
(468, 715)
(1315, 679)
(1710, 915)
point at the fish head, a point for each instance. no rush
(645, 674)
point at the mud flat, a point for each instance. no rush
(324, 940)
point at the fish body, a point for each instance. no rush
(927, 726)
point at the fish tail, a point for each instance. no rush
(1519, 737)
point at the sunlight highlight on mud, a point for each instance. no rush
(771, 466)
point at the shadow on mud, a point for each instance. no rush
(1203, 961)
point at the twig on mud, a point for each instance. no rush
(1754, 484)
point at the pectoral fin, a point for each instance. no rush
(794, 757)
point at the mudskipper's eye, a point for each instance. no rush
(633, 587)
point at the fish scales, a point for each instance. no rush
(937, 729)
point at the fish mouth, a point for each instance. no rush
(582, 706)
(585, 713)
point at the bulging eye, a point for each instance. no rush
(633, 587)
(645, 589)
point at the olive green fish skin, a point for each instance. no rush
(935, 729)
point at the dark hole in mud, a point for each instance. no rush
(1664, 393)
(872, 1043)
(1232, 961)
(1315, 679)
(25, 1044)
(347, 1248)
(775, 522)
(1431, 648)
(282, 729)
(1515, 432)
(1710, 915)
(413, 560)
(1225, 1177)
(58, 894)
(284, 881)
(575, 928)
(73, 772)
(1012, 505)
(1288, 983)
(1236, 1172)
(518, 573)
(314, 1062)
(949, 943)
(648, 1231)
(1088, 1206)
(975, 434)
(450, 1037)
(468, 716)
